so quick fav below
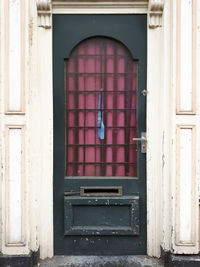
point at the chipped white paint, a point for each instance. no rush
(13, 51)
(186, 56)
(44, 13)
(99, 7)
(154, 135)
(14, 55)
(45, 160)
(14, 186)
(155, 13)
(185, 63)
(166, 120)
(185, 127)
(185, 185)
(185, 231)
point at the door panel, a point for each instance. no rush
(108, 216)
(99, 172)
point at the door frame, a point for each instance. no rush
(157, 104)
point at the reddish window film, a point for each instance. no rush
(101, 67)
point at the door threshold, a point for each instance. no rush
(101, 261)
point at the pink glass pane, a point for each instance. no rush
(101, 63)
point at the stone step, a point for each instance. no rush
(101, 261)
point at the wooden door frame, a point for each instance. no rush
(156, 105)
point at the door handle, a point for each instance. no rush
(143, 141)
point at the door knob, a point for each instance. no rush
(143, 141)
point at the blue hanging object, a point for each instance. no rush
(100, 124)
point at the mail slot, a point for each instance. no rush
(98, 191)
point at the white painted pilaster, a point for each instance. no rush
(154, 136)
(185, 128)
(42, 122)
(13, 82)
(45, 88)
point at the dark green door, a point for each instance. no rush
(99, 171)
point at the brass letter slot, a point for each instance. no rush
(100, 191)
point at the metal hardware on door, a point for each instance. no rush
(71, 193)
(96, 191)
(100, 191)
(144, 92)
(143, 141)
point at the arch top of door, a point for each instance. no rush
(154, 8)
(103, 37)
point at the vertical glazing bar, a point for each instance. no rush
(136, 97)
(101, 74)
(126, 120)
(115, 113)
(84, 124)
(95, 97)
(76, 76)
(104, 141)
(66, 113)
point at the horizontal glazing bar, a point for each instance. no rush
(105, 163)
(99, 55)
(95, 127)
(97, 91)
(96, 109)
(101, 73)
(94, 145)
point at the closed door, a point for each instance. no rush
(99, 170)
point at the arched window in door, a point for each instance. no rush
(101, 109)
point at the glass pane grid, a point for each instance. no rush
(101, 64)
